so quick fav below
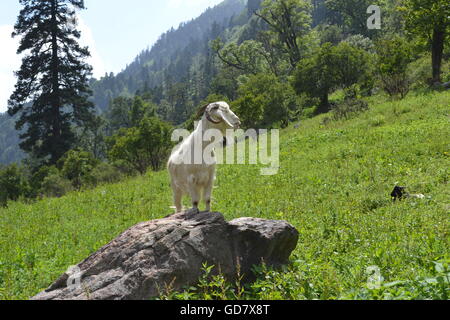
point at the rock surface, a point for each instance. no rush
(147, 258)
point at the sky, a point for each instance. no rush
(116, 31)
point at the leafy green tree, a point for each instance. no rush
(331, 68)
(77, 166)
(429, 19)
(224, 83)
(248, 57)
(92, 138)
(119, 113)
(140, 109)
(289, 21)
(353, 14)
(53, 77)
(264, 101)
(394, 56)
(250, 109)
(13, 184)
(128, 112)
(37, 179)
(330, 33)
(144, 146)
(180, 102)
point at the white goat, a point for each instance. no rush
(190, 176)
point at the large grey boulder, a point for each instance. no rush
(152, 256)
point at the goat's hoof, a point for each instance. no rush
(194, 211)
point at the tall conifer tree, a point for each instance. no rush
(51, 94)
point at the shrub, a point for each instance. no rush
(266, 101)
(124, 168)
(54, 185)
(13, 184)
(361, 42)
(38, 177)
(145, 146)
(77, 166)
(106, 173)
(394, 56)
(349, 108)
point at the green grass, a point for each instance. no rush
(333, 186)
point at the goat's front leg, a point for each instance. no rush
(195, 196)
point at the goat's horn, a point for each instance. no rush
(210, 119)
(202, 110)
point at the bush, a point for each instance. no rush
(77, 166)
(124, 168)
(145, 146)
(38, 177)
(394, 56)
(361, 42)
(106, 173)
(13, 184)
(54, 185)
(349, 108)
(265, 101)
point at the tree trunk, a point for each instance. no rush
(324, 106)
(55, 101)
(436, 54)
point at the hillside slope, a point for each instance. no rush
(9, 140)
(177, 55)
(333, 186)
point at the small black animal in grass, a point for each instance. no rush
(398, 193)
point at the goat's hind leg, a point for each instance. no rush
(207, 192)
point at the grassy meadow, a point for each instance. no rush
(333, 186)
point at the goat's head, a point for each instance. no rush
(220, 114)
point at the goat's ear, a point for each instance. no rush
(202, 110)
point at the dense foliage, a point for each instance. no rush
(145, 146)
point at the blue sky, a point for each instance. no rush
(115, 30)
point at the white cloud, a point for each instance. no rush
(87, 39)
(9, 62)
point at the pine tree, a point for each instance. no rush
(51, 94)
